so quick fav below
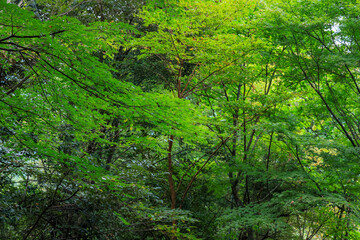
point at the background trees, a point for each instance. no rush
(179, 119)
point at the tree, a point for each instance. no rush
(320, 43)
(58, 101)
(179, 119)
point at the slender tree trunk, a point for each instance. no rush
(234, 180)
(170, 176)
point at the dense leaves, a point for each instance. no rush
(179, 119)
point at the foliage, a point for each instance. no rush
(179, 119)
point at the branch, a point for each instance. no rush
(31, 36)
(17, 85)
(201, 168)
(212, 73)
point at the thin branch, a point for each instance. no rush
(201, 168)
(31, 36)
(203, 80)
(17, 85)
